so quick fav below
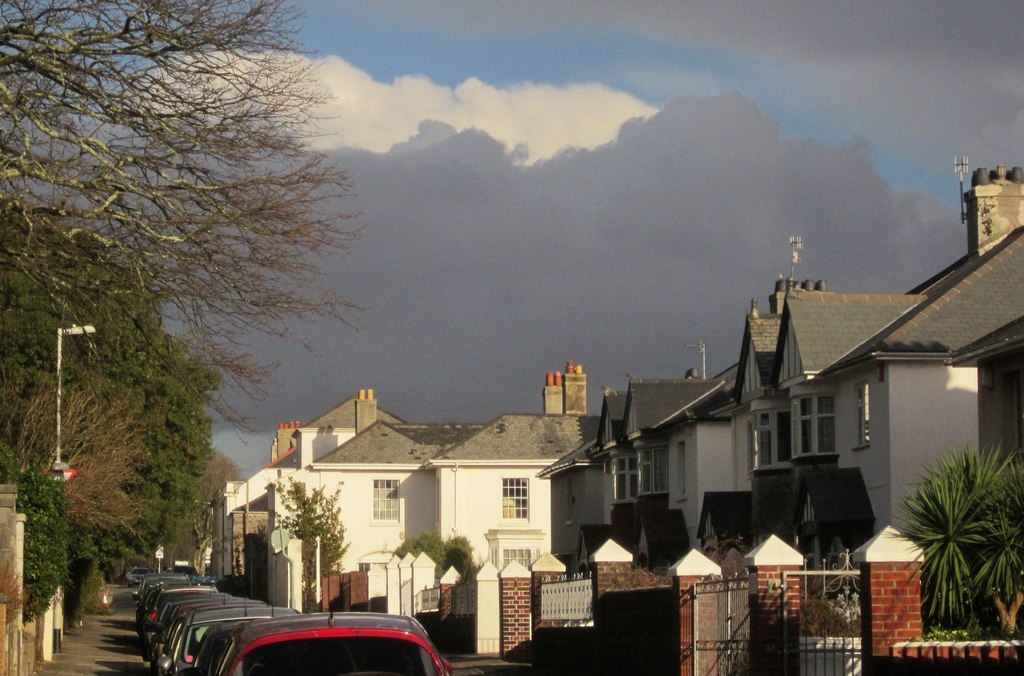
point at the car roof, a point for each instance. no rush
(321, 626)
(330, 621)
(237, 611)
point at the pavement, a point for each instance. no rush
(108, 644)
(104, 644)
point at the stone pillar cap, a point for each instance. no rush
(451, 576)
(888, 546)
(422, 561)
(695, 564)
(773, 552)
(514, 569)
(547, 563)
(487, 572)
(611, 552)
(394, 562)
(407, 560)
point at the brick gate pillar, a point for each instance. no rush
(545, 569)
(687, 572)
(890, 595)
(516, 625)
(774, 615)
(447, 582)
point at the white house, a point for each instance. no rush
(861, 392)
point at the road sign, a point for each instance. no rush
(279, 539)
(159, 553)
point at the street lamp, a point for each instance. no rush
(61, 469)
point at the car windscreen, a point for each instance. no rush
(338, 655)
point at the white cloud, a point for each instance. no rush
(540, 118)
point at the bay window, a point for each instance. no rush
(624, 477)
(653, 470)
(814, 424)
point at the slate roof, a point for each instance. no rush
(343, 416)
(1004, 339)
(398, 443)
(837, 496)
(515, 436)
(829, 325)
(725, 514)
(703, 408)
(764, 334)
(582, 456)
(970, 299)
(666, 532)
(651, 402)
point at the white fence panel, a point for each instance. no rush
(569, 601)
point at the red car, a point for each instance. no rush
(332, 643)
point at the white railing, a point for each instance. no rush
(427, 600)
(464, 599)
(570, 601)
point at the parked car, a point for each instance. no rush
(188, 630)
(136, 574)
(331, 643)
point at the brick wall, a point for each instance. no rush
(891, 610)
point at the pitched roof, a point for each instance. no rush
(580, 457)
(398, 443)
(613, 408)
(764, 334)
(651, 402)
(704, 407)
(517, 436)
(829, 325)
(665, 531)
(968, 300)
(836, 496)
(343, 416)
(724, 514)
(1006, 338)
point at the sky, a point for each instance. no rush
(542, 180)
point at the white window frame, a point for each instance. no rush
(863, 415)
(681, 467)
(764, 431)
(814, 424)
(624, 477)
(387, 506)
(652, 466)
(515, 499)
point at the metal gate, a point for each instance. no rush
(721, 627)
(830, 629)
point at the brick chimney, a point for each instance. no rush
(366, 410)
(575, 392)
(283, 442)
(554, 394)
(994, 206)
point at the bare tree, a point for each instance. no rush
(218, 471)
(166, 143)
(103, 444)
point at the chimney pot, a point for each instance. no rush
(1017, 175)
(549, 381)
(821, 285)
(369, 393)
(754, 314)
(558, 379)
(1001, 172)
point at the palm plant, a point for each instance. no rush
(966, 517)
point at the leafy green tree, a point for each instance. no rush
(314, 517)
(966, 516)
(454, 551)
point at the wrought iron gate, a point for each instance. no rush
(830, 629)
(721, 627)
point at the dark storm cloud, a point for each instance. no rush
(481, 275)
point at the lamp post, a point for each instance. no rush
(60, 468)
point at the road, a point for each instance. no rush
(107, 644)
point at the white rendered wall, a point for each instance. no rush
(933, 410)
(470, 502)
